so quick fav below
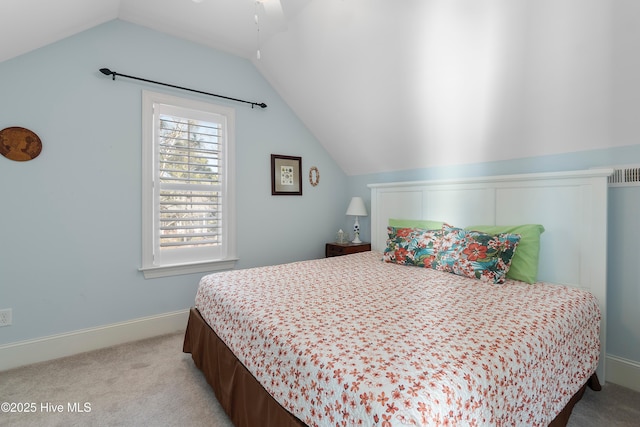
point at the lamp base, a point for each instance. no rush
(356, 232)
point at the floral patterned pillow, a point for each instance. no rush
(474, 254)
(411, 246)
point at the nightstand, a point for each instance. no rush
(337, 249)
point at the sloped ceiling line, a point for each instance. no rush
(392, 85)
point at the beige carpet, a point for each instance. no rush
(152, 383)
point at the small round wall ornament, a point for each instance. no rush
(314, 176)
(19, 144)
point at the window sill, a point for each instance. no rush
(178, 269)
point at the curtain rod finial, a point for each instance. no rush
(108, 72)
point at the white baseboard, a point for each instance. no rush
(52, 347)
(623, 372)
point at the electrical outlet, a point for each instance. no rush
(5, 317)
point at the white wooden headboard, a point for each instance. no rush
(572, 207)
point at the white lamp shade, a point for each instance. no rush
(357, 207)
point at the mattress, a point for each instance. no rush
(358, 341)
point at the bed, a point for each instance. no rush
(355, 340)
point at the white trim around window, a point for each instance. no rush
(188, 186)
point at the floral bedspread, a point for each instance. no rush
(353, 340)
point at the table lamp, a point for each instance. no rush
(356, 208)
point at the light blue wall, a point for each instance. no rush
(70, 231)
(623, 292)
(70, 234)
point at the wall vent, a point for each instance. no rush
(625, 176)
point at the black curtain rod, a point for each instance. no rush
(108, 72)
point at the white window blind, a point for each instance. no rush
(191, 201)
(190, 198)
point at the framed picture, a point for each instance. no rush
(286, 175)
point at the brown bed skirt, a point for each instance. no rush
(246, 402)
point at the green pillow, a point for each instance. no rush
(415, 223)
(524, 265)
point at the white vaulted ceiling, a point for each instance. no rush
(391, 84)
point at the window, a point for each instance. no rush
(188, 204)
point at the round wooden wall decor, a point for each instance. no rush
(19, 144)
(314, 176)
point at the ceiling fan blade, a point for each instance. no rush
(272, 7)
